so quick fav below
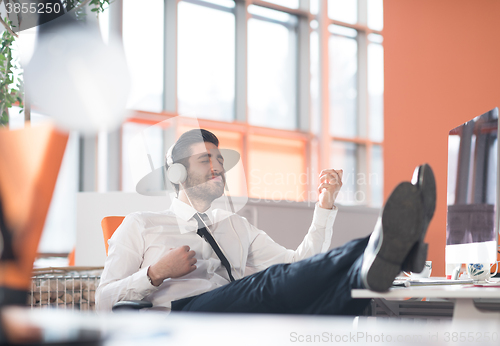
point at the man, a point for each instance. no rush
(169, 258)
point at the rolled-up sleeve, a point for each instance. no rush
(264, 252)
(123, 277)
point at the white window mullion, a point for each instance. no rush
(170, 57)
(324, 93)
(303, 75)
(241, 73)
(241, 63)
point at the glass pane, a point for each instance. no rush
(104, 25)
(287, 3)
(59, 231)
(26, 44)
(206, 50)
(314, 6)
(375, 38)
(343, 10)
(135, 149)
(144, 53)
(343, 53)
(16, 118)
(376, 177)
(283, 179)
(376, 91)
(271, 75)
(376, 14)
(343, 156)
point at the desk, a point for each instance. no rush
(463, 295)
(180, 329)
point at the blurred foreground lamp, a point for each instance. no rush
(76, 78)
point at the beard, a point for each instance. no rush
(204, 188)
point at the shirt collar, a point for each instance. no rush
(186, 212)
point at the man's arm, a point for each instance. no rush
(125, 278)
(264, 252)
(122, 277)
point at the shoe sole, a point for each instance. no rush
(401, 229)
(426, 184)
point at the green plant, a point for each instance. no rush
(78, 5)
(10, 77)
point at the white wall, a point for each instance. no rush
(92, 207)
(286, 222)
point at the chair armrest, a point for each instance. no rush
(131, 305)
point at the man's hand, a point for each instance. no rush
(330, 182)
(176, 263)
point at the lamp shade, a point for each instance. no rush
(77, 79)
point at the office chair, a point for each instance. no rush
(109, 225)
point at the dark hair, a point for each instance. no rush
(182, 148)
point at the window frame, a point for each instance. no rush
(317, 143)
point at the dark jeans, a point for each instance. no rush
(318, 285)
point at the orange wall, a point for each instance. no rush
(442, 68)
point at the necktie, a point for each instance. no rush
(204, 233)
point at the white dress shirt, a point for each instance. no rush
(144, 237)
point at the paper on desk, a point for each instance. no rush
(430, 282)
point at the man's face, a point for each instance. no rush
(205, 175)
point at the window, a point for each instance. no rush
(141, 142)
(356, 92)
(343, 52)
(283, 179)
(271, 69)
(143, 44)
(295, 86)
(343, 10)
(206, 62)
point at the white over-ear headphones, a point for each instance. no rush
(176, 172)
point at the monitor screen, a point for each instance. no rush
(472, 222)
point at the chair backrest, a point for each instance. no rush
(109, 225)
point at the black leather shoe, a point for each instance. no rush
(397, 230)
(423, 179)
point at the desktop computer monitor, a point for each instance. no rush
(473, 182)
